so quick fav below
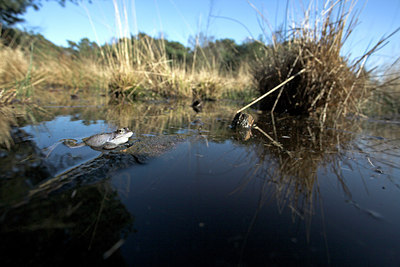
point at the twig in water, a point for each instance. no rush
(51, 148)
(371, 162)
(276, 143)
(269, 137)
(114, 248)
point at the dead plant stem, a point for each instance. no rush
(272, 90)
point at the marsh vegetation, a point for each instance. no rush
(142, 67)
(290, 189)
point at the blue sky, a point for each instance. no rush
(180, 19)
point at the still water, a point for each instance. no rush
(189, 190)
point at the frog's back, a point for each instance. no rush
(98, 140)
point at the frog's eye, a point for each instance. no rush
(119, 131)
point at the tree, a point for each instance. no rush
(12, 10)
(176, 51)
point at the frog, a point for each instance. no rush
(100, 141)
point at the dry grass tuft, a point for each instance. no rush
(140, 69)
(330, 86)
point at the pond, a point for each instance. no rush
(189, 190)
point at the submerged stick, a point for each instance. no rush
(269, 137)
(272, 90)
(276, 143)
(114, 248)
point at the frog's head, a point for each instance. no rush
(123, 133)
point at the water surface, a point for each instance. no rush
(190, 190)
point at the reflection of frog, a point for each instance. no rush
(103, 140)
(243, 123)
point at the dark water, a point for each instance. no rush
(191, 191)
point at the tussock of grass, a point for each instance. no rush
(207, 85)
(331, 85)
(140, 69)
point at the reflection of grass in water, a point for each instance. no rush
(291, 171)
(12, 116)
(168, 118)
(82, 223)
(383, 140)
(142, 117)
(15, 113)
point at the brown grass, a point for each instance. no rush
(140, 69)
(290, 164)
(331, 86)
(67, 72)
